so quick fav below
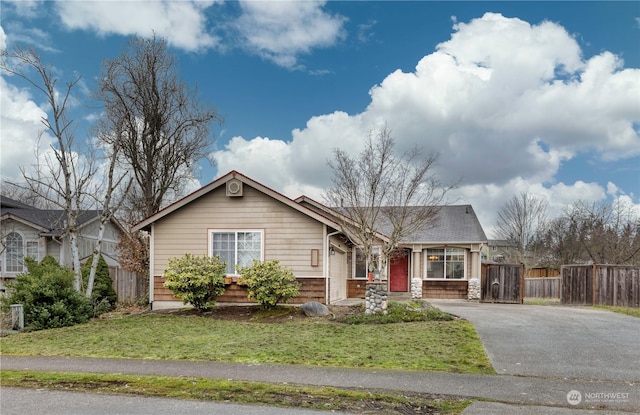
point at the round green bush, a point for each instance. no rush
(269, 283)
(47, 295)
(196, 280)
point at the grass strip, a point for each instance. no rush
(283, 395)
(630, 311)
(449, 346)
(541, 301)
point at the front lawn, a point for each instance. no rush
(451, 346)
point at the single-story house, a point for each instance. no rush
(27, 231)
(242, 220)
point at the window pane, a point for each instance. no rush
(223, 244)
(455, 263)
(32, 250)
(435, 263)
(249, 248)
(361, 264)
(14, 252)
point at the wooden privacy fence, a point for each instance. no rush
(548, 287)
(613, 285)
(502, 283)
(541, 272)
(130, 286)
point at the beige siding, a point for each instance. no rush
(289, 235)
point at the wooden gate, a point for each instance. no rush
(502, 283)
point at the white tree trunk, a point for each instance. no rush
(95, 259)
(75, 255)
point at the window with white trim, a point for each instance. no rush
(236, 248)
(14, 253)
(32, 250)
(447, 263)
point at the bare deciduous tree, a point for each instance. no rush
(66, 179)
(559, 243)
(610, 232)
(382, 194)
(108, 207)
(520, 219)
(162, 127)
(61, 179)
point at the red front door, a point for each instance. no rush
(399, 272)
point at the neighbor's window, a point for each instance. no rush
(237, 248)
(445, 263)
(32, 250)
(14, 253)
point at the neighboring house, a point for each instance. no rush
(501, 251)
(242, 220)
(27, 231)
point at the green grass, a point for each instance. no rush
(541, 301)
(451, 346)
(630, 311)
(400, 313)
(324, 398)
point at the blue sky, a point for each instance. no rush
(542, 97)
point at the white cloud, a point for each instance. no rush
(612, 189)
(3, 39)
(488, 199)
(280, 31)
(26, 8)
(181, 23)
(21, 126)
(503, 102)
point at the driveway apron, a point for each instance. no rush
(554, 341)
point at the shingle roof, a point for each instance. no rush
(452, 223)
(50, 219)
(457, 223)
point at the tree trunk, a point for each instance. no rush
(95, 259)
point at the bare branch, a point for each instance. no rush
(162, 128)
(384, 198)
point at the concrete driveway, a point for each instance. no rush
(554, 341)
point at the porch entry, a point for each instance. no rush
(399, 272)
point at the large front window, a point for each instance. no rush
(445, 263)
(237, 248)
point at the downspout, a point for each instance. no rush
(152, 244)
(325, 264)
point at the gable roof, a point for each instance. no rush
(146, 223)
(452, 224)
(47, 221)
